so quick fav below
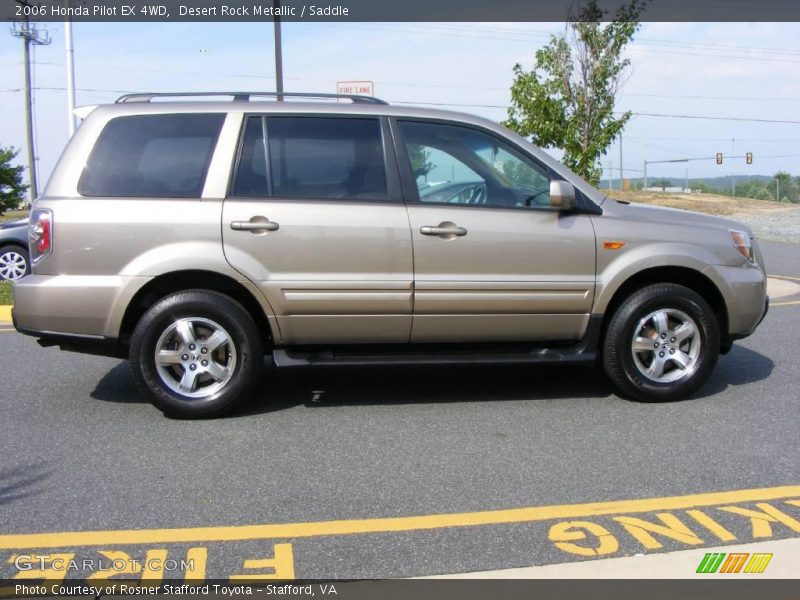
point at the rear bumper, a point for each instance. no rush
(82, 306)
(74, 342)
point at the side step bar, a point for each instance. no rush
(297, 358)
(584, 351)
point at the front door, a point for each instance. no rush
(493, 260)
(314, 217)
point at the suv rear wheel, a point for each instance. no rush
(661, 344)
(196, 354)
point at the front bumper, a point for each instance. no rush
(740, 336)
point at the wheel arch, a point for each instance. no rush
(685, 276)
(178, 281)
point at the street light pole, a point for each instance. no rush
(70, 72)
(278, 51)
(733, 174)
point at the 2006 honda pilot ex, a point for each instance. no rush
(196, 236)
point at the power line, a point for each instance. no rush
(697, 97)
(713, 118)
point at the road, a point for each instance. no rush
(400, 472)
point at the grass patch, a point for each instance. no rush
(13, 215)
(5, 292)
(706, 203)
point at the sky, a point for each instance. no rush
(741, 70)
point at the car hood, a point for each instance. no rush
(661, 214)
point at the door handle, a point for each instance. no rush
(255, 225)
(448, 230)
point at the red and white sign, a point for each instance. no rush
(359, 88)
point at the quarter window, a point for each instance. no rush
(461, 165)
(152, 156)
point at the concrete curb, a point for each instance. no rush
(681, 564)
(5, 313)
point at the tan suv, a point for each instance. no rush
(194, 237)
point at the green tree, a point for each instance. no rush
(420, 160)
(661, 183)
(12, 190)
(567, 100)
(787, 187)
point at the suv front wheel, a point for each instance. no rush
(661, 344)
(196, 354)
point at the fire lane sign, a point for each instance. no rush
(360, 88)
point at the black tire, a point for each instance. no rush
(243, 354)
(627, 368)
(16, 251)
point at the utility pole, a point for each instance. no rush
(30, 36)
(70, 72)
(621, 173)
(644, 187)
(278, 51)
(733, 175)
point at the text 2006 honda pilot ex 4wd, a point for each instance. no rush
(195, 237)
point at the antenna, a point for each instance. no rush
(30, 37)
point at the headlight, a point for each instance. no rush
(741, 241)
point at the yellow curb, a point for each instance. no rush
(5, 312)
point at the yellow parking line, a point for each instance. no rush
(789, 277)
(386, 525)
(771, 304)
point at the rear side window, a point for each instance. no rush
(319, 157)
(152, 156)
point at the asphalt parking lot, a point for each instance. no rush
(367, 473)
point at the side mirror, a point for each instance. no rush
(562, 195)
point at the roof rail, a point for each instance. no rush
(245, 96)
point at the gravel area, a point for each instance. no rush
(782, 225)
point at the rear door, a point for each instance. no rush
(494, 261)
(315, 217)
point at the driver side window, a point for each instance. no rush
(461, 165)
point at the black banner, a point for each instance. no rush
(386, 11)
(463, 589)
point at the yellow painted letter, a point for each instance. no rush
(672, 528)
(282, 564)
(760, 520)
(562, 534)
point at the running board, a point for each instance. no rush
(298, 358)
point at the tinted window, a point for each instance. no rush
(317, 157)
(251, 174)
(152, 155)
(461, 165)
